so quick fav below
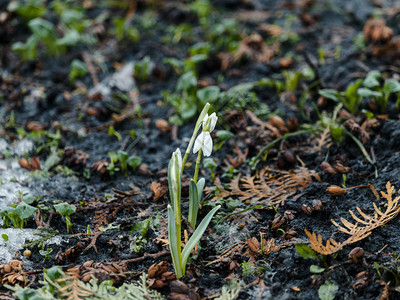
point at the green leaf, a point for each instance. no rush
(327, 291)
(172, 239)
(46, 252)
(187, 109)
(28, 10)
(29, 198)
(316, 269)
(78, 69)
(174, 182)
(330, 94)
(134, 161)
(186, 81)
(306, 252)
(224, 135)
(200, 187)
(337, 132)
(71, 38)
(51, 160)
(42, 29)
(112, 131)
(26, 50)
(391, 86)
(351, 99)
(5, 237)
(372, 79)
(209, 94)
(141, 227)
(194, 239)
(193, 203)
(209, 163)
(367, 93)
(25, 211)
(65, 209)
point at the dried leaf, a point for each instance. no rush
(358, 232)
(269, 186)
(158, 190)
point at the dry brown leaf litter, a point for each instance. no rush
(361, 229)
(268, 186)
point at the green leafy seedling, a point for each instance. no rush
(17, 215)
(65, 210)
(77, 69)
(211, 165)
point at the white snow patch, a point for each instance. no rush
(16, 238)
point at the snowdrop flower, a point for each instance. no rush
(204, 140)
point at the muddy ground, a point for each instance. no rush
(279, 143)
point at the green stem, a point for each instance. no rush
(179, 244)
(198, 160)
(195, 131)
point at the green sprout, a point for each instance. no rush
(203, 144)
(65, 209)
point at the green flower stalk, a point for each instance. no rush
(196, 129)
(203, 144)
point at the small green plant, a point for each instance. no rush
(380, 94)
(349, 98)
(65, 210)
(142, 69)
(142, 228)
(370, 87)
(67, 29)
(123, 29)
(210, 164)
(46, 252)
(16, 215)
(123, 160)
(392, 267)
(231, 291)
(113, 132)
(249, 268)
(29, 9)
(184, 101)
(77, 69)
(203, 145)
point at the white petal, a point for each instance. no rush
(198, 143)
(214, 119)
(208, 144)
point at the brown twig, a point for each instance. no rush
(145, 256)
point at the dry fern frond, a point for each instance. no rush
(363, 226)
(318, 246)
(268, 186)
(324, 140)
(74, 289)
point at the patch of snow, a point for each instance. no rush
(16, 238)
(121, 80)
(23, 147)
(13, 179)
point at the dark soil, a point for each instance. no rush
(319, 35)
